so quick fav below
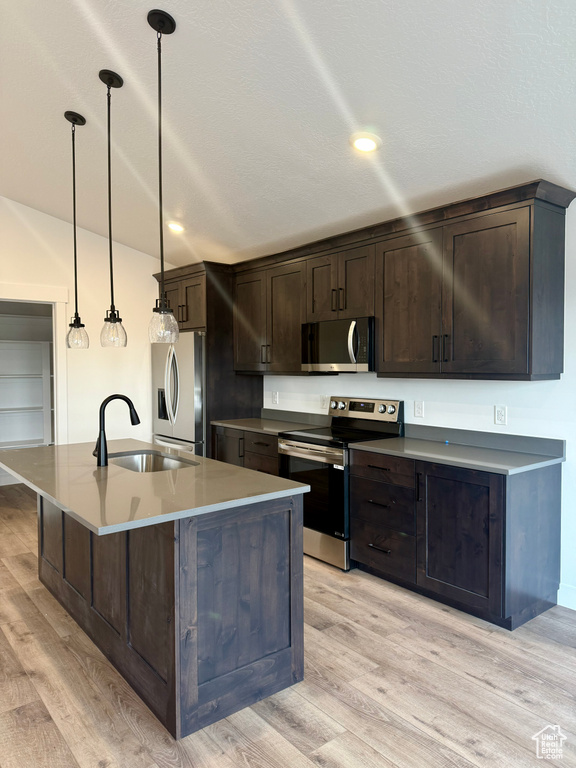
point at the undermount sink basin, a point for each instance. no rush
(149, 461)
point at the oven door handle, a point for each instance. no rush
(312, 454)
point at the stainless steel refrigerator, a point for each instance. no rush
(178, 384)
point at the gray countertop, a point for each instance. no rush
(271, 426)
(502, 462)
(110, 499)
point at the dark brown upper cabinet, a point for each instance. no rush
(486, 295)
(482, 297)
(409, 308)
(187, 299)
(341, 285)
(268, 315)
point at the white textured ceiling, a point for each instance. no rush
(260, 97)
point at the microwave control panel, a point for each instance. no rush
(366, 408)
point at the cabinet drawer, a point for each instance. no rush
(258, 461)
(387, 551)
(256, 442)
(378, 466)
(383, 504)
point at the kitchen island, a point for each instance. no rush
(189, 580)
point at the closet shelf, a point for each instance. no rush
(27, 409)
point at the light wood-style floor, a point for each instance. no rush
(392, 679)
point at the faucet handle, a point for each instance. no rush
(97, 448)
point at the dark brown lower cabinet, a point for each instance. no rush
(202, 616)
(486, 543)
(252, 450)
(460, 516)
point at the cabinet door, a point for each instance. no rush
(193, 295)
(285, 292)
(250, 323)
(486, 294)
(228, 445)
(408, 303)
(260, 463)
(356, 283)
(173, 297)
(322, 288)
(459, 521)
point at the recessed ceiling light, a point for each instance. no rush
(365, 142)
(175, 227)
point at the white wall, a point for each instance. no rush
(542, 409)
(36, 259)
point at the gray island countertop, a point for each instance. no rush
(110, 499)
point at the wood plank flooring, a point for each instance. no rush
(391, 680)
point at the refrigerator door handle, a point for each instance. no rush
(175, 374)
(167, 393)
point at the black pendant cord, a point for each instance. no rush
(163, 303)
(75, 119)
(112, 307)
(163, 24)
(76, 316)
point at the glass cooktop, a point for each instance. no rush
(338, 436)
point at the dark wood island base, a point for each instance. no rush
(203, 616)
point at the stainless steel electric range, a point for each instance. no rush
(319, 458)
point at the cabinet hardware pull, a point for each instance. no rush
(263, 353)
(382, 469)
(341, 303)
(445, 347)
(257, 442)
(240, 447)
(378, 503)
(334, 300)
(418, 476)
(180, 316)
(385, 551)
(435, 348)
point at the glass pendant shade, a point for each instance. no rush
(163, 328)
(113, 333)
(77, 338)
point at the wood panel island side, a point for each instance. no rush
(188, 580)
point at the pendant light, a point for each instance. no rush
(76, 338)
(113, 333)
(163, 326)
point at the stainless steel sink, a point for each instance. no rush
(149, 461)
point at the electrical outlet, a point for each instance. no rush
(275, 398)
(419, 409)
(500, 415)
(324, 401)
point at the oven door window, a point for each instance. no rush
(325, 505)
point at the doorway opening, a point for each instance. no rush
(26, 376)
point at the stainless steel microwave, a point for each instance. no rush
(338, 346)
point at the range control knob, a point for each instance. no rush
(391, 409)
(333, 403)
(381, 408)
(341, 405)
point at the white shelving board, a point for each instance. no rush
(25, 393)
